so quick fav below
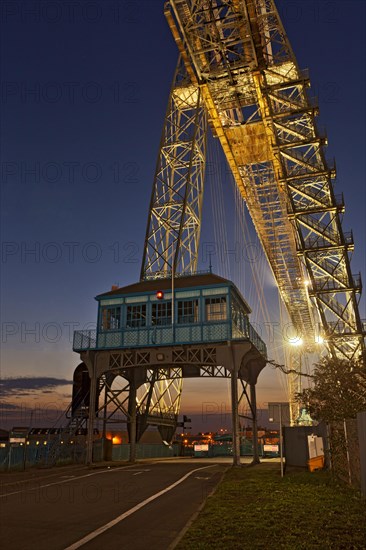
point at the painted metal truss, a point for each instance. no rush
(134, 386)
(157, 401)
(174, 221)
(237, 54)
(157, 395)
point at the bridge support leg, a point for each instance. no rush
(132, 425)
(235, 416)
(253, 399)
(104, 434)
(91, 418)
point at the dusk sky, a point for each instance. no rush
(84, 87)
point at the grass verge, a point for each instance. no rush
(254, 508)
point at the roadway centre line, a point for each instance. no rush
(123, 516)
(69, 480)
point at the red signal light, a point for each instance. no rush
(160, 294)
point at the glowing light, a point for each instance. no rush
(306, 282)
(319, 340)
(297, 341)
(160, 294)
(116, 440)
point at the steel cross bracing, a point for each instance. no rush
(174, 222)
(238, 58)
(157, 398)
(158, 388)
(156, 401)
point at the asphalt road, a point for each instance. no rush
(144, 506)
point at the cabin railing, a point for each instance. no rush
(166, 335)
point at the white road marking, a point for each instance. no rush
(35, 478)
(37, 487)
(125, 515)
(134, 470)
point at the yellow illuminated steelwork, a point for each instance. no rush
(238, 72)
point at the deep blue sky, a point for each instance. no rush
(91, 128)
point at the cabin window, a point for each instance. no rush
(136, 316)
(239, 318)
(111, 318)
(187, 311)
(215, 308)
(161, 313)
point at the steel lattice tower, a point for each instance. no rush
(174, 222)
(237, 70)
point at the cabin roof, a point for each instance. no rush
(152, 285)
(187, 281)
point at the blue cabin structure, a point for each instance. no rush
(195, 309)
(158, 331)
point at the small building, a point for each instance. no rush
(206, 308)
(155, 333)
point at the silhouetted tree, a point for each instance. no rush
(338, 390)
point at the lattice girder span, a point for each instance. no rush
(257, 99)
